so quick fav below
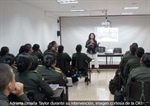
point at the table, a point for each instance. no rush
(110, 55)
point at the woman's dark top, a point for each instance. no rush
(91, 49)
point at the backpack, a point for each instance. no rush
(115, 83)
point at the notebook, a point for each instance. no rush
(109, 51)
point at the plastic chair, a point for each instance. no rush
(101, 49)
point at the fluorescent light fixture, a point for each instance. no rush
(84, 14)
(126, 13)
(67, 1)
(131, 8)
(77, 10)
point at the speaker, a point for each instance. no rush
(58, 33)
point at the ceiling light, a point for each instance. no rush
(131, 8)
(127, 13)
(84, 14)
(67, 1)
(77, 10)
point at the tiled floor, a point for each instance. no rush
(96, 90)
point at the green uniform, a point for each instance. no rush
(124, 61)
(5, 102)
(35, 62)
(38, 54)
(142, 73)
(81, 56)
(52, 76)
(33, 81)
(131, 64)
(63, 62)
(127, 52)
(14, 69)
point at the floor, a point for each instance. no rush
(96, 90)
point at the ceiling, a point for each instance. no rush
(92, 7)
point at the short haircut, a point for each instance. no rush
(146, 59)
(36, 47)
(133, 49)
(4, 51)
(140, 52)
(27, 47)
(78, 48)
(60, 48)
(5, 76)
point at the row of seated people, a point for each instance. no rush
(134, 67)
(34, 75)
(63, 59)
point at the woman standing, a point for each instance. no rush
(91, 45)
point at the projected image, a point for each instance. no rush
(107, 34)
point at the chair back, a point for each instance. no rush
(139, 91)
(101, 49)
(117, 50)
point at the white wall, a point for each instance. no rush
(22, 23)
(75, 30)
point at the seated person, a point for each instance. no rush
(63, 60)
(31, 79)
(35, 61)
(51, 74)
(80, 56)
(128, 52)
(52, 48)
(125, 59)
(4, 51)
(37, 52)
(134, 62)
(8, 85)
(10, 59)
(141, 73)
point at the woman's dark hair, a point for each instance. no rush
(23, 62)
(135, 44)
(21, 49)
(49, 59)
(140, 52)
(90, 36)
(60, 48)
(4, 51)
(49, 46)
(8, 59)
(53, 43)
(133, 49)
(146, 59)
(78, 48)
(36, 47)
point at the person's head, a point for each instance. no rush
(91, 36)
(36, 47)
(8, 59)
(78, 48)
(50, 47)
(60, 48)
(24, 62)
(28, 48)
(4, 51)
(135, 44)
(21, 49)
(133, 49)
(139, 52)
(50, 60)
(146, 59)
(7, 79)
(54, 44)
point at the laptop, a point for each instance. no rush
(109, 51)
